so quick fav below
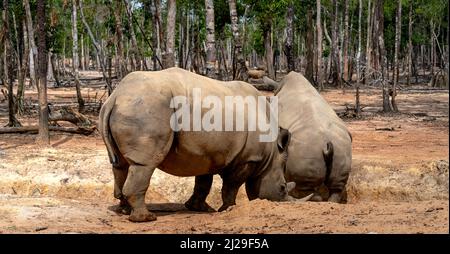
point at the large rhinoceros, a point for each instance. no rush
(135, 126)
(320, 150)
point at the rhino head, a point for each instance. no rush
(271, 184)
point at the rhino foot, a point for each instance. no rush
(123, 208)
(192, 205)
(316, 198)
(338, 197)
(141, 215)
(225, 208)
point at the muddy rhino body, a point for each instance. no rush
(135, 125)
(320, 151)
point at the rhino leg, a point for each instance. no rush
(120, 175)
(338, 196)
(229, 193)
(197, 202)
(134, 189)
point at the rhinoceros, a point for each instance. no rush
(135, 126)
(320, 150)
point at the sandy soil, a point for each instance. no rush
(399, 181)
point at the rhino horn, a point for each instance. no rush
(307, 198)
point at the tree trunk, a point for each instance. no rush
(122, 68)
(289, 44)
(210, 40)
(239, 67)
(335, 47)
(380, 60)
(82, 62)
(32, 44)
(86, 56)
(75, 58)
(267, 31)
(432, 52)
(346, 41)
(55, 69)
(410, 49)
(368, 66)
(319, 47)
(43, 136)
(23, 70)
(358, 62)
(169, 53)
(309, 72)
(398, 34)
(155, 32)
(97, 47)
(136, 52)
(8, 69)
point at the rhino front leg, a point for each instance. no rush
(229, 193)
(338, 196)
(197, 202)
(134, 189)
(120, 176)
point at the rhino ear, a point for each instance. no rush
(284, 137)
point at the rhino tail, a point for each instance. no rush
(328, 157)
(104, 128)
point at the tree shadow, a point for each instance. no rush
(62, 141)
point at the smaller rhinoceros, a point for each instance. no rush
(320, 151)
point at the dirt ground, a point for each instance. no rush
(399, 180)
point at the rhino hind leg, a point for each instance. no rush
(120, 176)
(134, 189)
(197, 202)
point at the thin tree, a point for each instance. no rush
(75, 58)
(368, 44)
(122, 68)
(410, 47)
(267, 31)
(210, 40)
(154, 9)
(289, 43)
(32, 43)
(136, 52)
(398, 34)
(239, 67)
(43, 136)
(319, 47)
(8, 68)
(23, 68)
(335, 47)
(169, 53)
(97, 47)
(380, 59)
(309, 71)
(358, 62)
(346, 41)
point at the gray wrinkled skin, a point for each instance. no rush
(320, 151)
(135, 125)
